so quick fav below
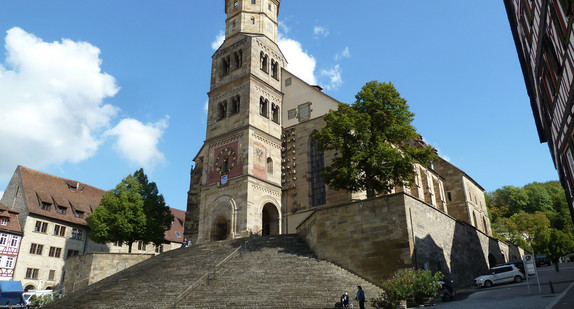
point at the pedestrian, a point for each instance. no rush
(345, 299)
(360, 297)
(184, 244)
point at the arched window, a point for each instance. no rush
(316, 162)
(264, 62)
(238, 55)
(274, 69)
(275, 113)
(263, 107)
(225, 65)
(269, 166)
(235, 106)
(222, 110)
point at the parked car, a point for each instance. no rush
(500, 274)
(518, 264)
(542, 259)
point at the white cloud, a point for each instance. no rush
(51, 101)
(319, 31)
(344, 54)
(205, 110)
(334, 76)
(138, 142)
(218, 40)
(299, 62)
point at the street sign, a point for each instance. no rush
(529, 264)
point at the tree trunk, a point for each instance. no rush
(130, 243)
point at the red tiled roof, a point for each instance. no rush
(57, 191)
(176, 226)
(13, 225)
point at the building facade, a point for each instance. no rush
(53, 212)
(542, 31)
(10, 240)
(259, 170)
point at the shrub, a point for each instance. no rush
(411, 284)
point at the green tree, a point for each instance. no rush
(374, 142)
(158, 215)
(120, 216)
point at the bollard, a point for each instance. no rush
(551, 287)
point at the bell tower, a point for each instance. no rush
(237, 186)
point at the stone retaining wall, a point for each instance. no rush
(89, 268)
(375, 237)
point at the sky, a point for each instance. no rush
(94, 90)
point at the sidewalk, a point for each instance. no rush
(564, 300)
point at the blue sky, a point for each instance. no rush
(94, 90)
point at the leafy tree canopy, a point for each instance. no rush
(158, 214)
(535, 217)
(120, 216)
(374, 142)
(133, 211)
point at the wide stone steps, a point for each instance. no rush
(268, 272)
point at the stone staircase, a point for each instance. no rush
(258, 272)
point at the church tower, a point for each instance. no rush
(236, 183)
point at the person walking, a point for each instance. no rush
(360, 297)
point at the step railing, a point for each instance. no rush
(208, 275)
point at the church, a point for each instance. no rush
(259, 169)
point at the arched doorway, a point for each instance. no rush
(29, 287)
(270, 220)
(221, 230)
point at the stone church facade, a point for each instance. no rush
(259, 171)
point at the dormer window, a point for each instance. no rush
(79, 214)
(236, 4)
(4, 221)
(61, 210)
(46, 206)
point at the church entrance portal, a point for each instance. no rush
(270, 218)
(220, 231)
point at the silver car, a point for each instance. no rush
(500, 274)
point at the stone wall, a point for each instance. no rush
(375, 237)
(369, 237)
(89, 268)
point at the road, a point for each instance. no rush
(525, 295)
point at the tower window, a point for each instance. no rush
(238, 57)
(263, 107)
(274, 69)
(222, 110)
(236, 4)
(225, 65)
(269, 166)
(264, 62)
(253, 1)
(235, 105)
(253, 20)
(275, 113)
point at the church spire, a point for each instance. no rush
(252, 16)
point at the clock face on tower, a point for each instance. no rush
(225, 161)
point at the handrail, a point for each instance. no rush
(185, 293)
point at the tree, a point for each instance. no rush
(374, 142)
(158, 215)
(120, 216)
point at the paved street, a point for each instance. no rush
(522, 295)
